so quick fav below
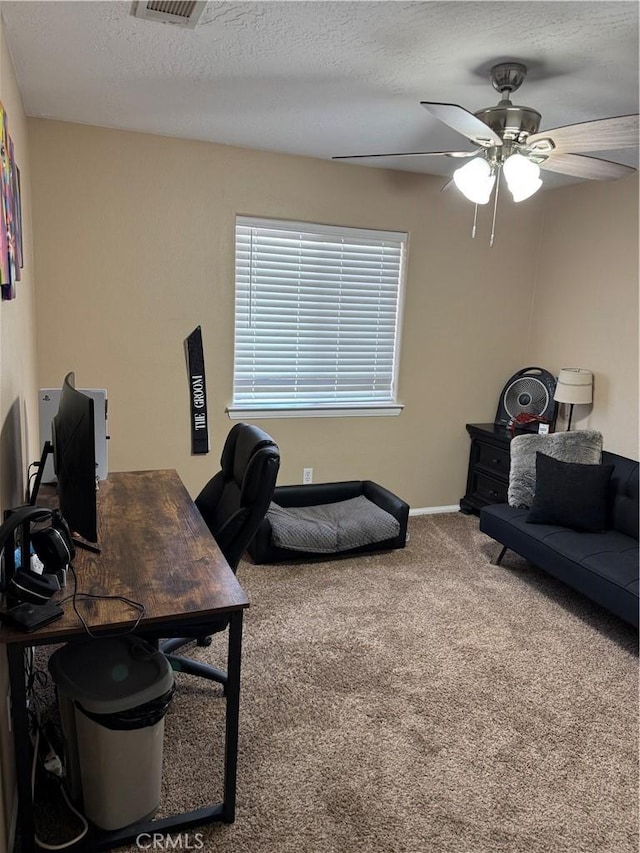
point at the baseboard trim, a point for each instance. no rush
(434, 510)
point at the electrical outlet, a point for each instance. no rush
(307, 475)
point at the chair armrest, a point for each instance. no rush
(260, 546)
(230, 529)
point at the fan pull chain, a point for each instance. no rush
(475, 221)
(495, 208)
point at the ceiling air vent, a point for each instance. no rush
(182, 13)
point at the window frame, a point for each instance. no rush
(239, 410)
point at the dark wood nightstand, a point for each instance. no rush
(489, 462)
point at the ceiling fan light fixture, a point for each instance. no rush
(475, 180)
(507, 137)
(522, 177)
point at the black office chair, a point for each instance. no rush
(233, 503)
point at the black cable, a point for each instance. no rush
(88, 596)
(83, 820)
(32, 674)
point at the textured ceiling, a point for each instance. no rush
(323, 78)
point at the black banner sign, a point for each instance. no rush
(197, 393)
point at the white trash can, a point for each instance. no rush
(113, 694)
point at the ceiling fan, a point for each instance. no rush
(509, 143)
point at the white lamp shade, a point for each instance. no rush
(522, 177)
(574, 385)
(475, 181)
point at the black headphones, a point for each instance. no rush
(53, 546)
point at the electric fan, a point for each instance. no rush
(529, 391)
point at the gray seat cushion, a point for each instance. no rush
(330, 528)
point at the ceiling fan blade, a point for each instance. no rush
(592, 168)
(604, 134)
(464, 122)
(410, 154)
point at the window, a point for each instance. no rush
(317, 313)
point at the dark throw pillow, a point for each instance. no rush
(570, 494)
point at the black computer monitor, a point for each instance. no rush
(74, 460)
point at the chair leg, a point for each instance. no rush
(190, 666)
(172, 645)
(178, 642)
(498, 559)
(194, 667)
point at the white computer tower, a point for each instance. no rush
(48, 400)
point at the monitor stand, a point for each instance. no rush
(86, 546)
(46, 450)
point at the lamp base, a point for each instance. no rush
(570, 416)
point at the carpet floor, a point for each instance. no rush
(418, 701)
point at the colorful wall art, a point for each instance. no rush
(11, 259)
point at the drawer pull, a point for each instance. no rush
(496, 462)
(493, 493)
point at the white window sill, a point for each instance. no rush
(237, 413)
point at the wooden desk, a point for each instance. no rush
(156, 550)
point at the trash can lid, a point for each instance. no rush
(110, 674)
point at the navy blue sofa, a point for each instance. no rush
(602, 566)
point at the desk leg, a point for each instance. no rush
(232, 717)
(22, 747)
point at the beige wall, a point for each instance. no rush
(18, 388)
(135, 248)
(586, 302)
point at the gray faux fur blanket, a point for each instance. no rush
(584, 446)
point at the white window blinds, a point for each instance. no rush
(316, 315)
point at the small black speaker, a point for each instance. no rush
(529, 391)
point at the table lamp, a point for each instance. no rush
(574, 385)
